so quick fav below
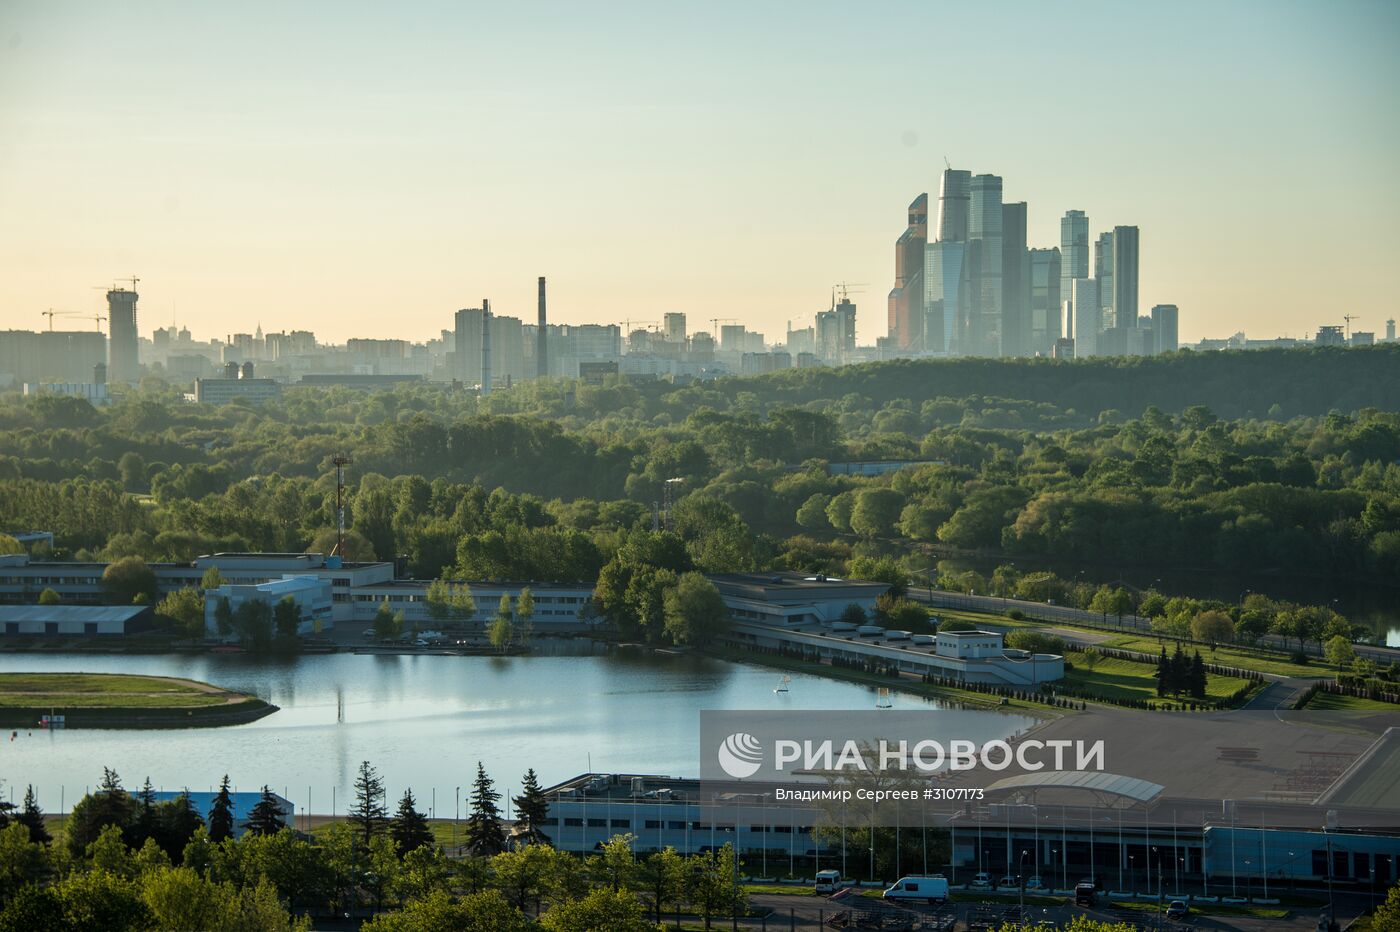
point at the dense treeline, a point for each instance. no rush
(122, 862)
(1106, 462)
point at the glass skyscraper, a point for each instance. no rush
(1074, 251)
(1045, 300)
(1125, 277)
(984, 242)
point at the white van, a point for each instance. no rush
(828, 881)
(929, 889)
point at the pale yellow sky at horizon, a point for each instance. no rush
(359, 170)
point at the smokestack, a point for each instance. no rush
(542, 346)
(485, 347)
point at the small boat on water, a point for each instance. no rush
(782, 686)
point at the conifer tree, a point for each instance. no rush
(221, 813)
(32, 818)
(266, 817)
(409, 827)
(532, 808)
(369, 813)
(485, 836)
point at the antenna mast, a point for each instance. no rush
(340, 461)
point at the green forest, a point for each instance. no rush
(1283, 462)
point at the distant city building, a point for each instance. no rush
(124, 363)
(759, 363)
(1164, 328)
(64, 356)
(1046, 268)
(1074, 251)
(984, 251)
(1390, 330)
(1125, 276)
(954, 204)
(673, 327)
(94, 393)
(1330, 336)
(507, 347)
(1103, 273)
(224, 391)
(1088, 319)
(845, 329)
(731, 338)
(1063, 349)
(906, 299)
(596, 371)
(1016, 327)
(1362, 338)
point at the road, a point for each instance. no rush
(938, 598)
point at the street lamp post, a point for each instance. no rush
(456, 815)
(1021, 882)
(1159, 880)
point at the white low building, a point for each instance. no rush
(311, 594)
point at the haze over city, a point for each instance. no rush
(362, 172)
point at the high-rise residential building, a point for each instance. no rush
(1015, 282)
(906, 299)
(1164, 332)
(1045, 300)
(1390, 330)
(66, 356)
(845, 328)
(1074, 251)
(673, 326)
(1103, 271)
(466, 344)
(124, 361)
(984, 251)
(828, 335)
(954, 201)
(1125, 276)
(731, 338)
(1088, 321)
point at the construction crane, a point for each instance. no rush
(716, 321)
(1349, 318)
(51, 314)
(847, 289)
(99, 318)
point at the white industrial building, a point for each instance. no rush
(311, 594)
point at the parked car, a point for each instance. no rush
(1178, 910)
(1008, 881)
(1035, 883)
(982, 880)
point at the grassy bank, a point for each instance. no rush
(903, 684)
(117, 700)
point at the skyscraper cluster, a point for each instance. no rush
(969, 284)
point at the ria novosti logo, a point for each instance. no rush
(740, 755)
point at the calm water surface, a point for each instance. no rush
(425, 721)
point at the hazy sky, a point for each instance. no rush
(366, 168)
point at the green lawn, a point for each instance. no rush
(105, 690)
(1278, 664)
(1126, 679)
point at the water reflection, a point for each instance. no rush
(424, 721)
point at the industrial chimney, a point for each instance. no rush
(485, 347)
(542, 347)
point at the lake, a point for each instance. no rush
(424, 721)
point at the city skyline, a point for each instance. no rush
(307, 191)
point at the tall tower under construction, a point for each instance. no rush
(123, 362)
